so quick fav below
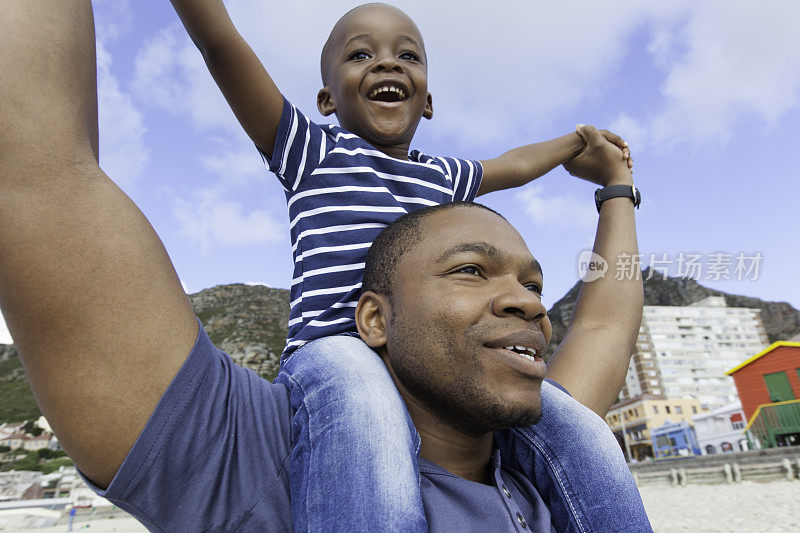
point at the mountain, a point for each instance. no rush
(246, 321)
(781, 320)
(249, 323)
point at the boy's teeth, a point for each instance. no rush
(388, 88)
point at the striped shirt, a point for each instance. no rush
(341, 192)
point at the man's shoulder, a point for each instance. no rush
(219, 432)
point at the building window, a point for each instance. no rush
(666, 408)
(655, 409)
(678, 410)
(694, 409)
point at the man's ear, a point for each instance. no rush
(371, 319)
(428, 112)
(325, 102)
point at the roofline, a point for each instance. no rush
(762, 353)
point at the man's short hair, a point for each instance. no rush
(395, 241)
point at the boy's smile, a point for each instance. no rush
(375, 71)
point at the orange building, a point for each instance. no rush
(769, 388)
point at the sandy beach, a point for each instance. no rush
(744, 507)
(747, 507)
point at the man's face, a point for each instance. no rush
(462, 297)
(377, 76)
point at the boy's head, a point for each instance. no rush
(375, 75)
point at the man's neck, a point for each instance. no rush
(467, 456)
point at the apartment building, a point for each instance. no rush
(686, 351)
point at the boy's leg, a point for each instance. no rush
(354, 462)
(576, 464)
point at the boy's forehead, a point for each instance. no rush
(372, 20)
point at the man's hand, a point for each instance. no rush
(604, 158)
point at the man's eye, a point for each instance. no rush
(533, 287)
(471, 270)
(358, 54)
(409, 56)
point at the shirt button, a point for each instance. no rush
(506, 491)
(522, 521)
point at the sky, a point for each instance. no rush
(706, 93)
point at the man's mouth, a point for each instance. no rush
(388, 92)
(528, 353)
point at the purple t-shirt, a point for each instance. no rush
(214, 456)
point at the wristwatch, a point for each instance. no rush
(615, 191)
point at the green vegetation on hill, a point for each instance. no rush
(17, 402)
(44, 460)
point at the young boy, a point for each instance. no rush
(354, 463)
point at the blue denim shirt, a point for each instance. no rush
(215, 454)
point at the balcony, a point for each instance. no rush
(772, 421)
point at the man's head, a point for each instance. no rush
(375, 75)
(446, 291)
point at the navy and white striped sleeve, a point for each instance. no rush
(300, 146)
(465, 177)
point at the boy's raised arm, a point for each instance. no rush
(592, 360)
(243, 80)
(526, 163)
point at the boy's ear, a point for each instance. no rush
(371, 319)
(428, 112)
(325, 102)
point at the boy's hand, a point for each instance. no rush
(604, 158)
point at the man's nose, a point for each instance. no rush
(514, 299)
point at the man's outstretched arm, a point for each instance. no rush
(592, 360)
(89, 294)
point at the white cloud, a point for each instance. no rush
(123, 154)
(632, 130)
(497, 73)
(240, 165)
(501, 75)
(210, 219)
(558, 212)
(5, 336)
(725, 62)
(171, 75)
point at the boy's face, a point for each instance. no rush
(377, 79)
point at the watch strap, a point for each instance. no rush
(617, 191)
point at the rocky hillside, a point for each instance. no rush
(246, 321)
(781, 320)
(249, 322)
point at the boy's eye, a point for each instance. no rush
(409, 56)
(358, 54)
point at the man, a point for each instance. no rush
(188, 443)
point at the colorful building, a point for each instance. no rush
(633, 421)
(674, 439)
(721, 430)
(769, 388)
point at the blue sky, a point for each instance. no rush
(706, 93)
